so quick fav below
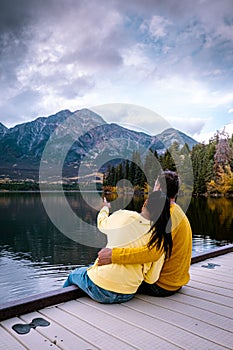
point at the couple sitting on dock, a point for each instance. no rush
(148, 252)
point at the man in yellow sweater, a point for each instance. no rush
(116, 283)
(175, 271)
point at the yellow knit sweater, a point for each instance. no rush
(175, 271)
(124, 228)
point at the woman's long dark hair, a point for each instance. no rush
(158, 206)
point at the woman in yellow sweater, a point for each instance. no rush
(175, 271)
(116, 283)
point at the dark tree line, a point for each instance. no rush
(142, 172)
(137, 172)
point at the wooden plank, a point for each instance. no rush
(218, 291)
(219, 270)
(74, 323)
(131, 334)
(206, 295)
(32, 340)
(58, 335)
(38, 301)
(215, 272)
(8, 342)
(202, 304)
(150, 323)
(208, 280)
(212, 277)
(225, 259)
(203, 330)
(207, 314)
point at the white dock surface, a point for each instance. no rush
(199, 317)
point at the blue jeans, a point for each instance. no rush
(80, 278)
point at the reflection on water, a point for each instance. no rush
(212, 218)
(36, 257)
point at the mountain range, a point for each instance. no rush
(83, 135)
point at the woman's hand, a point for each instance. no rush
(105, 256)
(106, 203)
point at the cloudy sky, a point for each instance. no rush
(174, 57)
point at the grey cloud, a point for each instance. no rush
(82, 30)
(105, 58)
(15, 15)
(91, 36)
(96, 39)
(94, 57)
(17, 19)
(76, 88)
(178, 10)
(85, 31)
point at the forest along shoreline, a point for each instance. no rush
(211, 173)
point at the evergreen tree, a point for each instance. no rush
(185, 169)
(132, 169)
(202, 157)
(126, 169)
(151, 168)
(107, 176)
(139, 177)
(119, 172)
(167, 161)
(199, 168)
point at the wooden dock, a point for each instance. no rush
(199, 317)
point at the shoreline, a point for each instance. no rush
(136, 193)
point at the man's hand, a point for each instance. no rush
(105, 256)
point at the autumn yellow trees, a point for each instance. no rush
(222, 178)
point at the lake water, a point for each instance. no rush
(36, 257)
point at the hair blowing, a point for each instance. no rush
(158, 206)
